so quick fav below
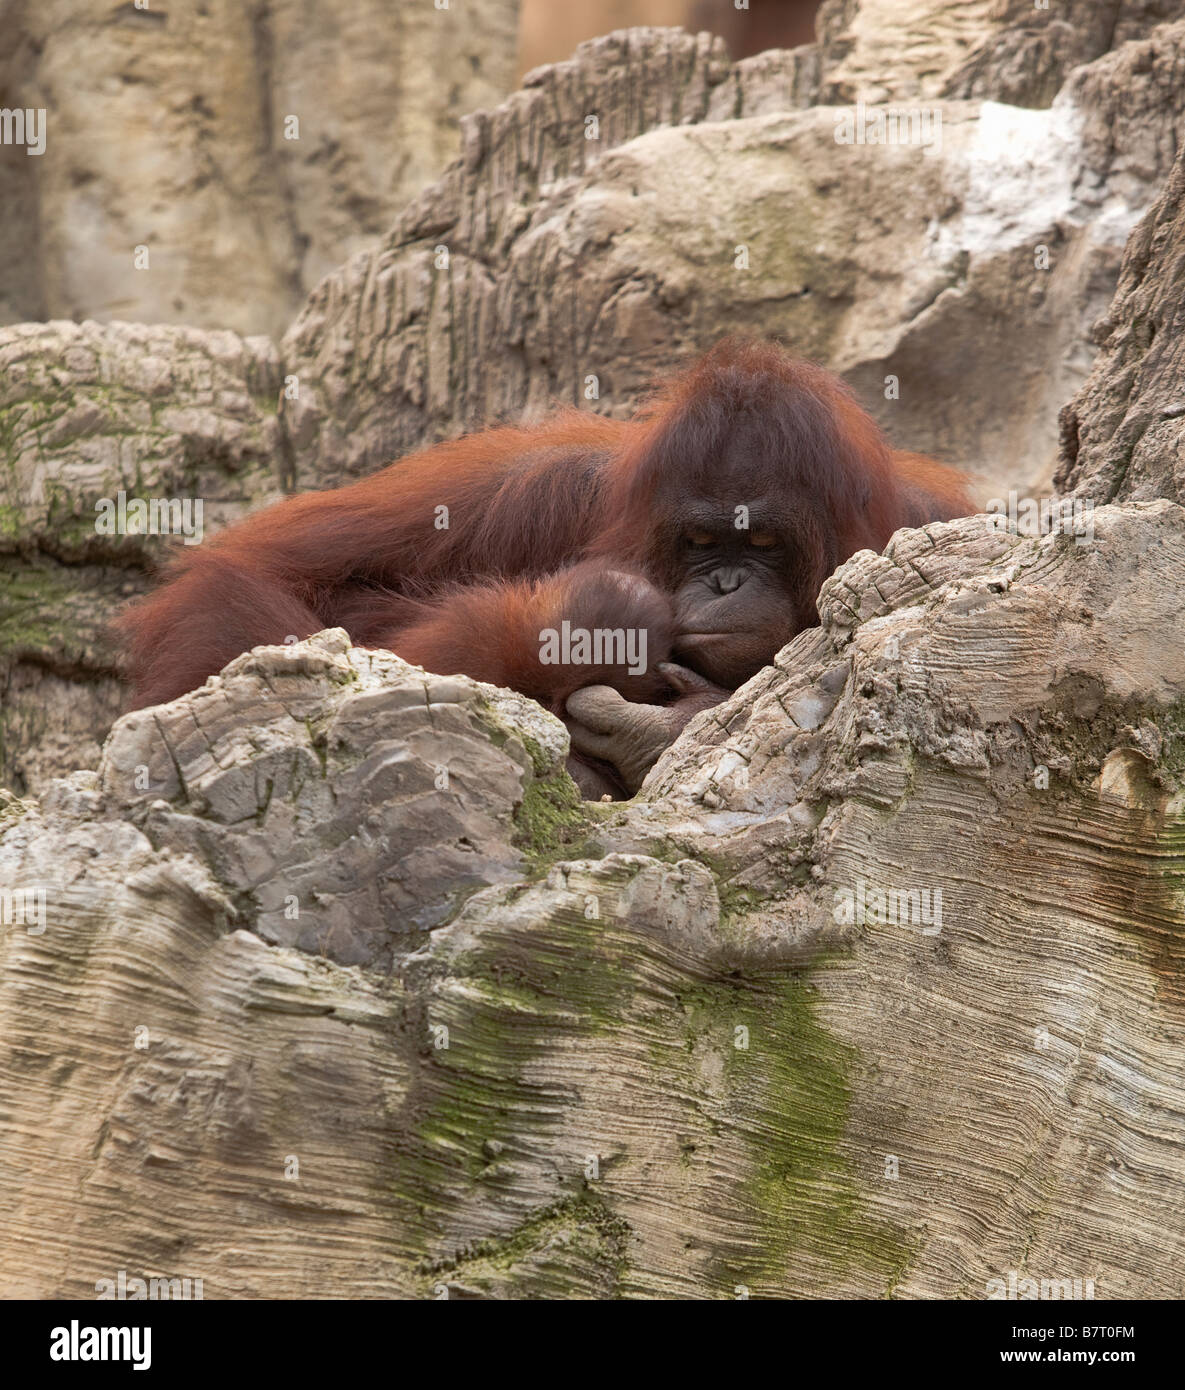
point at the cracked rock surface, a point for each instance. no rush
(874, 990)
(514, 280)
(327, 984)
(247, 148)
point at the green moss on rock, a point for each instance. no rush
(553, 822)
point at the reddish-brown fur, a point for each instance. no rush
(574, 519)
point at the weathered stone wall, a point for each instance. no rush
(680, 1047)
(167, 129)
(613, 260)
(88, 411)
(545, 259)
(999, 50)
(1123, 435)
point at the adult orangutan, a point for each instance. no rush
(681, 549)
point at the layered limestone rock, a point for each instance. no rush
(90, 414)
(1004, 50)
(1123, 436)
(875, 990)
(952, 286)
(248, 149)
(949, 267)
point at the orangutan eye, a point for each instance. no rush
(700, 539)
(763, 540)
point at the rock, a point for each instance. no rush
(373, 389)
(1124, 98)
(170, 128)
(1123, 435)
(87, 412)
(961, 320)
(998, 50)
(515, 280)
(345, 802)
(875, 990)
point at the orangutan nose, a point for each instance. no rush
(726, 581)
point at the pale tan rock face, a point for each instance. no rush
(970, 272)
(324, 984)
(310, 774)
(168, 126)
(1005, 50)
(610, 261)
(91, 411)
(874, 990)
(886, 50)
(1123, 435)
